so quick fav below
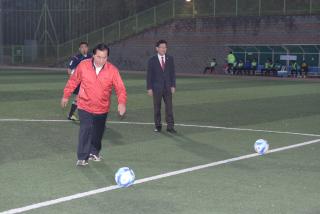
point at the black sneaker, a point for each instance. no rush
(171, 130)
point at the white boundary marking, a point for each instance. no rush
(152, 178)
(178, 124)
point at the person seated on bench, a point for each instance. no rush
(211, 67)
(277, 67)
(240, 67)
(267, 68)
(225, 67)
(304, 69)
(294, 69)
(254, 66)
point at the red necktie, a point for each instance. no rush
(163, 64)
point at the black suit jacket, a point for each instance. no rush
(157, 79)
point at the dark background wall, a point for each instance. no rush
(194, 41)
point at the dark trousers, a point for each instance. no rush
(157, 99)
(230, 68)
(253, 70)
(212, 69)
(304, 71)
(294, 73)
(275, 72)
(92, 127)
(266, 72)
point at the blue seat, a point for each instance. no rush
(314, 71)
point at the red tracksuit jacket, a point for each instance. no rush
(95, 90)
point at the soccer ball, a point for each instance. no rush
(261, 146)
(124, 177)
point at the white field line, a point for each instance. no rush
(152, 178)
(179, 124)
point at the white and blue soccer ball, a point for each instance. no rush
(261, 146)
(124, 177)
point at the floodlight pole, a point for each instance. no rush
(1, 34)
(173, 8)
(193, 8)
(259, 7)
(45, 31)
(236, 7)
(154, 16)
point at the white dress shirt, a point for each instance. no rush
(160, 59)
(98, 69)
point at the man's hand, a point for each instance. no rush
(64, 102)
(69, 71)
(173, 90)
(121, 109)
(150, 93)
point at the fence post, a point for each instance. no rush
(245, 56)
(236, 7)
(103, 39)
(284, 7)
(310, 7)
(1, 34)
(58, 52)
(136, 16)
(173, 8)
(259, 7)
(214, 8)
(119, 30)
(12, 54)
(154, 16)
(72, 46)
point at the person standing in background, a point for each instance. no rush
(75, 60)
(231, 59)
(211, 67)
(161, 84)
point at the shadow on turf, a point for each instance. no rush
(200, 149)
(237, 113)
(98, 173)
(113, 137)
(209, 152)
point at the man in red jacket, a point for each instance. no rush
(97, 77)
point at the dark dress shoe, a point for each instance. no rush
(157, 129)
(171, 130)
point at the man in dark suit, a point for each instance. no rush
(161, 84)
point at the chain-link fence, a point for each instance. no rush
(160, 14)
(68, 19)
